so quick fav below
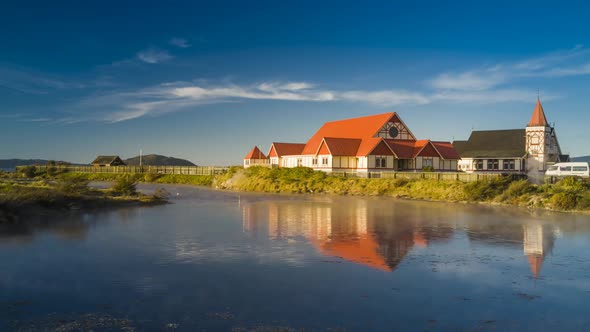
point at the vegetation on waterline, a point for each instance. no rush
(569, 194)
(18, 198)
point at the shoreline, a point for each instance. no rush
(569, 195)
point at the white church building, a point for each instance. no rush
(530, 150)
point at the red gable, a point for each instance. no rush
(285, 149)
(446, 150)
(255, 153)
(341, 146)
(424, 148)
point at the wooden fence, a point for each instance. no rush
(186, 170)
(214, 170)
(440, 176)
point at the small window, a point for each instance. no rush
(553, 168)
(314, 161)
(325, 161)
(508, 164)
(479, 164)
(493, 164)
(566, 169)
(299, 162)
(580, 168)
(427, 162)
(247, 161)
(381, 162)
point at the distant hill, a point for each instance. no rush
(158, 160)
(12, 163)
(584, 158)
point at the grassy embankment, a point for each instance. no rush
(24, 197)
(567, 195)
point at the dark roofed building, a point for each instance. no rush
(493, 143)
(527, 150)
(105, 161)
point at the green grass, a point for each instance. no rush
(567, 195)
(19, 198)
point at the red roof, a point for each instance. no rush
(285, 149)
(363, 127)
(402, 149)
(446, 150)
(255, 153)
(367, 145)
(538, 118)
(342, 146)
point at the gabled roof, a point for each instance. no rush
(105, 160)
(402, 149)
(255, 153)
(494, 144)
(285, 149)
(342, 146)
(538, 118)
(362, 127)
(368, 145)
(446, 150)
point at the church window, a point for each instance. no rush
(508, 164)
(478, 164)
(493, 164)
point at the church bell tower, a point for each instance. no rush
(541, 142)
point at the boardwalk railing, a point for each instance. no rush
(214, 170)
(186, 170)
(440, 176)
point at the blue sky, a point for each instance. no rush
(207, 81)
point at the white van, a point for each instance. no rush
(569, 169)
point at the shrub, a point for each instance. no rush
(151, 177)
(161, 194)
(29, 171)
(519, 188)
(72, 185)
(125, 186)
(427, 169)
(564, 201)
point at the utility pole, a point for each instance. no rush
(140, 156)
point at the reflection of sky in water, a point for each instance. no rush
(305, 262)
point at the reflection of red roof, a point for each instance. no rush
(361, 251)
(538, 118)
(535, 261)
(363, 127)
(285, 149)
(255, 153)
(420, 240)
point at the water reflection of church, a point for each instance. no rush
(350, 232)
(382, 238)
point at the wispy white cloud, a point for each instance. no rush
(31, 82)
(180, 42)
(385, 98)
(498, 77)
(154, 55)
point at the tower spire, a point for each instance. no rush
(538, 118)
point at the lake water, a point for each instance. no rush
(223, 261)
